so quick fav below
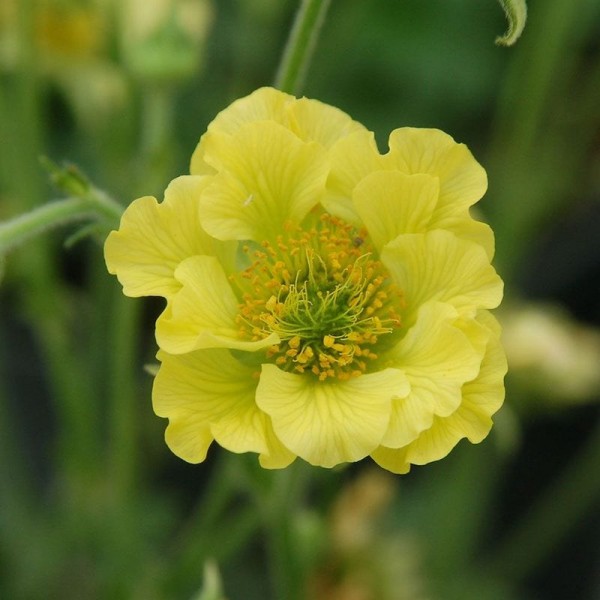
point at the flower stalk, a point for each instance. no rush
(92, 205)
(301, 44)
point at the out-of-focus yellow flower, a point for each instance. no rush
(367, 559)
(61, 32)
(550, 354)
(70, 43)
(323, 300)
(71, 30)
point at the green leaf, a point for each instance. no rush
(516, 13)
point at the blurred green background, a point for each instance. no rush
(92, 503)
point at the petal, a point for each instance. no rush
(390, 203)
(438, 357)
(154, 238)
(203, 313)
(316, 121)
(392, 459)
(467, 228)
(484, 396)
(264, 104)
(308, 119)
(329, 423)
(438, 266)
(463, 181)
(189, 439)
(277, 456)
(481, 398)
(352, 159)
(208, 394)
(267, 178)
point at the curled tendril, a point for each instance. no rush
(516, 13)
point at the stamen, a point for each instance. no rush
(325, 294)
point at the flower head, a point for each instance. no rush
(323, 300)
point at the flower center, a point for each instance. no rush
(326, 296)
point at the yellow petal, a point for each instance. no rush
(329, 423)
(264, 104)
(481, 398)
(463, 181)
(208, 394)
(189, 439)
(484, 396)
(438, 357)
(267, 178)
(390, 203)
(154, 238)
(202, 314)
(437, 266)
(467, 228)
(393, 460)
(277, 456)
(312, 120)
(352, 159)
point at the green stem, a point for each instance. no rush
(570, 498)
(14, 498)
(218, 509)
(123, 395)
(300, 45)
(157, 115)
(282, 551)
(17, 231)
(156, 142)
(105, 206)
(21, 229)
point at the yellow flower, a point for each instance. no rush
(324, 300)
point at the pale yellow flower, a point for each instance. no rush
(324, 300)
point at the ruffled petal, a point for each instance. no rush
(312, 120)
(463, 181)
(208, 394)
(352, 159)
(430, 152)
(277, 456)
(466, 228)
(392, 459)
(438, 266)
(203, 313)
(481, 398)
(390, 203)
(264, 104)
(267, 179)
(438, 357)
(154, 239)
(328, 423)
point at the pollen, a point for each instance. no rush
(328, 298)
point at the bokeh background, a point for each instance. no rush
(92, 503)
